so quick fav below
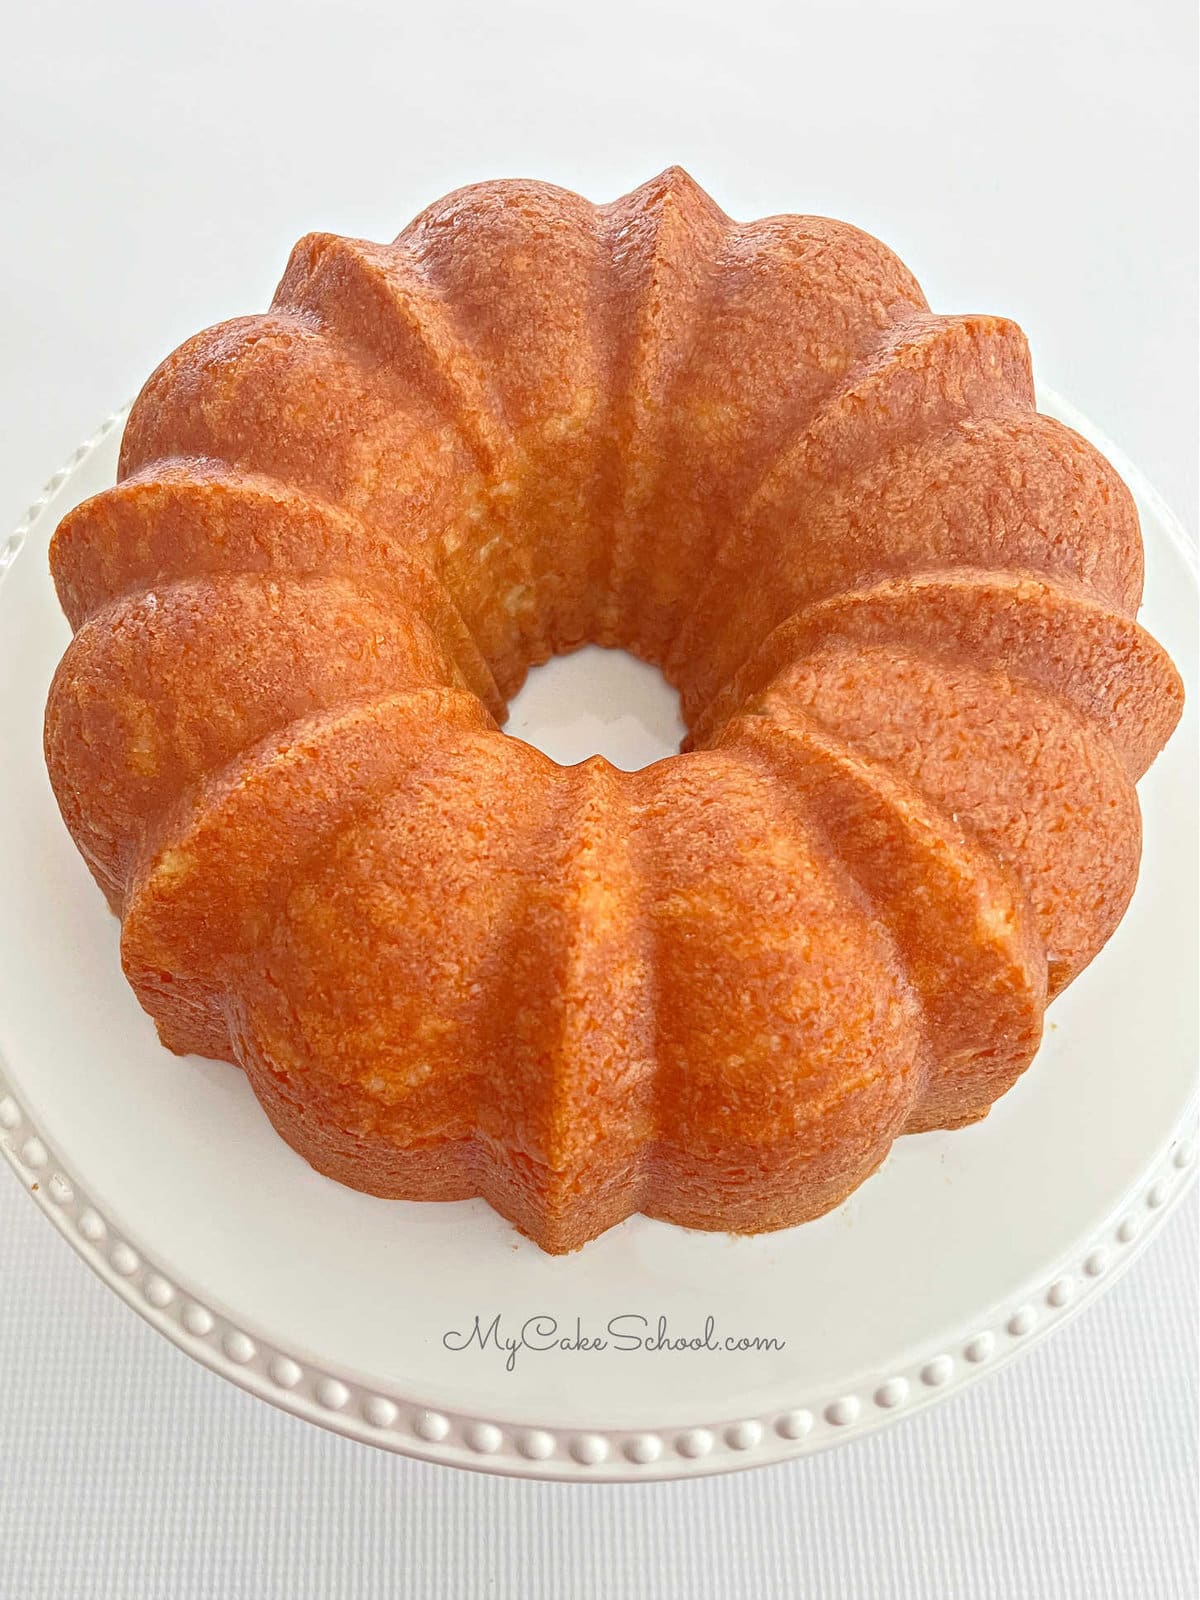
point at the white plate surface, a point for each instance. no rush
(349, 1311)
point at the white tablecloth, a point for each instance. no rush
(155, 164)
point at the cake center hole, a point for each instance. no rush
(598, 702)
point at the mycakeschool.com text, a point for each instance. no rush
(627, 1333)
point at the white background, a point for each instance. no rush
(156, 162)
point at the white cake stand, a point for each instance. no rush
(358, 1313)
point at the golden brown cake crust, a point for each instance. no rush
(899, 608)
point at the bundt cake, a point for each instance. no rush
(898, 605)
